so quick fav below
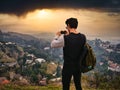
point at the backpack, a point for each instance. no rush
(87, 59)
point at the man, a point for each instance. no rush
(72, 42)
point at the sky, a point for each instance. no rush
(95, 17)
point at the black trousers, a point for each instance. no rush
(67, 74)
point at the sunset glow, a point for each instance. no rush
(52, 20)
(40, 14)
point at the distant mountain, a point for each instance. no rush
(22, 36)
(18, 38)
(45, 36)
(17, 35)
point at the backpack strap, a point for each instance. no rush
(83, 52)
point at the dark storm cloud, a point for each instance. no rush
(20, 7)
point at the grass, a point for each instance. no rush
(56, 86)
(49, 87)
(16, 87)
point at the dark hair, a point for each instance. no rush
(72, 22)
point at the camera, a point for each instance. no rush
(63, 32)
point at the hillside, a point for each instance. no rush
(40, 47)
(26, 56)
(9, 52)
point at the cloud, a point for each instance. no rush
(20, 7)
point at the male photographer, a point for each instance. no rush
(72, 42)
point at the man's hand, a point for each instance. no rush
(67, 33)
(58, 33)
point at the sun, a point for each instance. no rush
(40, 14)
(44, 13)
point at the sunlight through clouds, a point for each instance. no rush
(52, 20)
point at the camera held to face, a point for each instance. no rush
(63, 32)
